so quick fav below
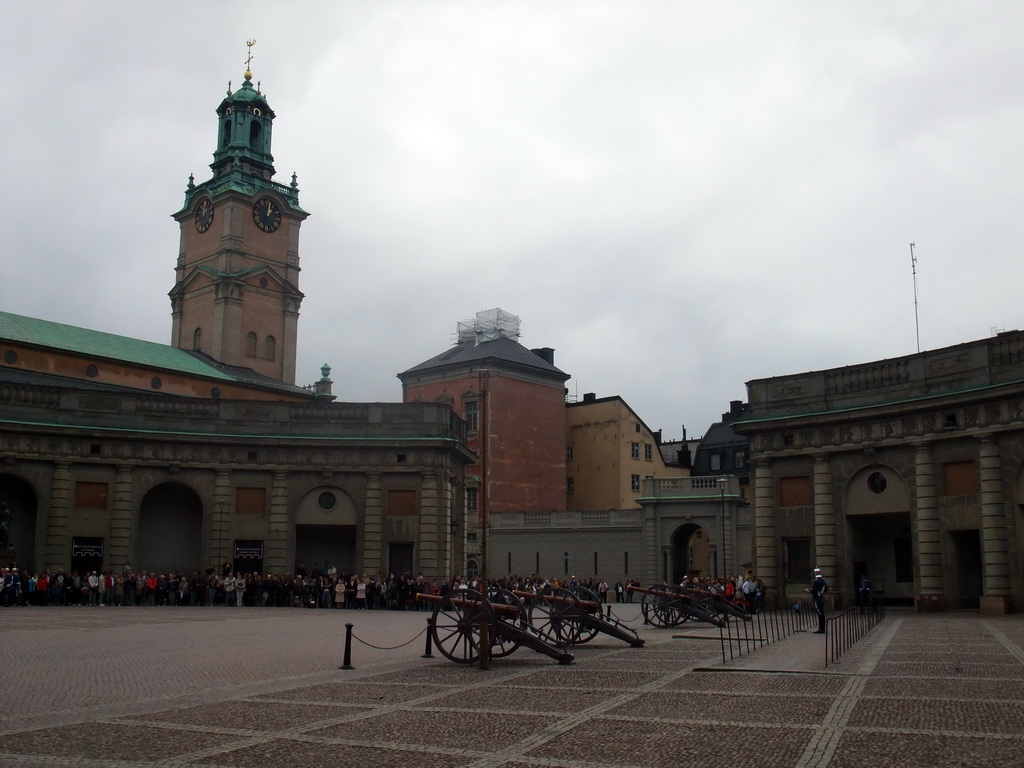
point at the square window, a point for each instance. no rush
(648, 451)
(634, 482)
(634, 450)
(570, 485)
(471, 499)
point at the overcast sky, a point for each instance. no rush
(678, 197)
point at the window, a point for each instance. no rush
(716, 461)
(472, 415)
(255, 130)
(795, 492)
(197, 339)
(740, 459)
(960, 478)
(798, 561)
(226, 138)
(401, 503)
(250, 344)
(634, 450)
(471, 499)
(634, 482)
(250, 501)
(568, 453)
(270, 348)
(91, 495)
(877, 482)
(648, 451)
(570, 485)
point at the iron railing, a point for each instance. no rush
(847, 627)
(739, 638)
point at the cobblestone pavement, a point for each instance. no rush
(217, 687)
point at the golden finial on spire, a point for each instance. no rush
(248, 59)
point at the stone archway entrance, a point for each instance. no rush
(170, 530)
(20, 499)
(326, 530)
(693, 554)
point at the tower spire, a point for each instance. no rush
(248, 59)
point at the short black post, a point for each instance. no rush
(430, 628)
(347, 664)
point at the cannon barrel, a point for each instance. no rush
(587, 605)
(665, 593)
(509, 611)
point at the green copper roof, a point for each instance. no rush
(86, 342)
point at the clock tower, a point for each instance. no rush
(236, 294)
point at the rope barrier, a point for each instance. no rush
(390, 647)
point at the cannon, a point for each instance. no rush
(455, 626)
(573, 616)
(715, 602)
(667, 605)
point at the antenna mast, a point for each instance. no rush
(913, 268)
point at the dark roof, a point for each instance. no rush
(721, 438)
(502, 350)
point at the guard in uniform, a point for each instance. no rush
(818, 590)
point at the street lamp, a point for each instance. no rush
(725, 546)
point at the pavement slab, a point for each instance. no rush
(162, 687)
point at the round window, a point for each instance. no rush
(327, 501)
(876, 482)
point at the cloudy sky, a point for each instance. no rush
(677, 196)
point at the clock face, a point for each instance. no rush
(204, 215)
(266, 214)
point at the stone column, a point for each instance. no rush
(120, 551)
(650, 565)
(995, 556)
(766, 556)
(929, 539)
(58, 527)
(429, 525)
(824, 522)
(220, 518)
(373, 524)
(279, 526)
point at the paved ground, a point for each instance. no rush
(218, 687)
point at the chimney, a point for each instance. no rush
(547, 354)
(589, 397)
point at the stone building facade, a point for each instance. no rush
(910, 470)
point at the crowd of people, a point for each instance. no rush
(319, 587)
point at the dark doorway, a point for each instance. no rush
(170, 530)
(400, 558)
(333, 544)
(967, 554)
(86, 555)
(248, 556)
(691, 553)
(21, 501)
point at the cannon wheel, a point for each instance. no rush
(587, 632)
(501, 645)
(456, 626)
(555, 620)
(658, 610)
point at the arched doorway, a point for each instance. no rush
(20, 499)
(877, 506)
(691, 553)
(170, 530)
(326, 527)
